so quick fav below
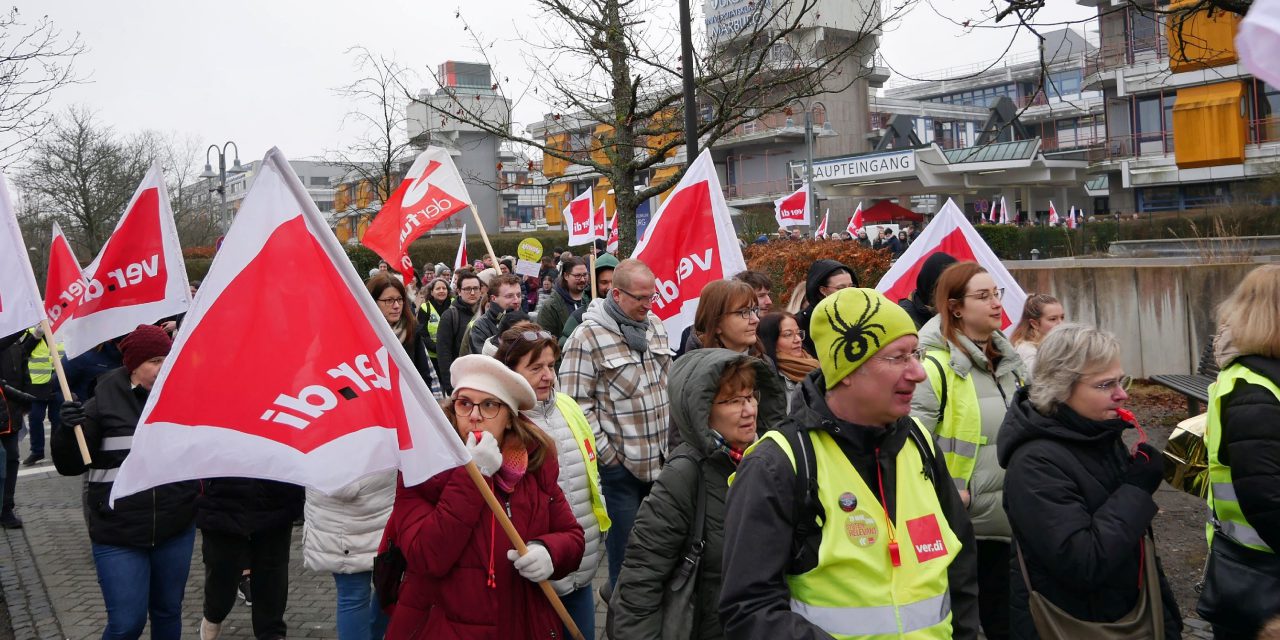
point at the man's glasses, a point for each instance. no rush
(902, 360)
(470, 289)
(489, 409)
(652, 298)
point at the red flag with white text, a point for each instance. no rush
(855, 222)
(949, 232)
(795, 209)
(431, 191)
(614, 238)
(19, 297)
(138, 277)
(822, 228)
(578, 217)
(689, 243)
(266, 379)
(599, 223)
(64, 282)
(460, 260)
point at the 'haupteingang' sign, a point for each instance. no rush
(864, 167)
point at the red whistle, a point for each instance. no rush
(894, 555)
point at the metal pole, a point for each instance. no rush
(222, 189)
(808, 162)
(690, 97)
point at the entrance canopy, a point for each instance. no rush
(886, 211)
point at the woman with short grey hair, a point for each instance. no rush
(1079, 501)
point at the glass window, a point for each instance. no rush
(1148, 116)
(1159, 199)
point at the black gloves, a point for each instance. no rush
(72, 413)
(1146, 470)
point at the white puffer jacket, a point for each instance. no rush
(573, 482)
(342, 531)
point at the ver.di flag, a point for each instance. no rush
(460, 260)
(64, 282)
(138, 277)
(794, 210)
(614, 239)
(270, 380)
(431, 191)
(855, 222)
(822, 228)
(949, 232)
(577, 215)
(689, 243)
(19, 297)
(1053, 215)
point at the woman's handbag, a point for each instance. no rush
(1241, 585)
(388, 572)
(1144, 622)
(679, 595)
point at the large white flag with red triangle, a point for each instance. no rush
(795, 209)
(432, 190)
(1053, 215)
(950, 232)
(138, 277)
(689, 243)
(578, 216)
(460, 260)
(614, 238)
(822, 228)
(19, 296)
(64, 282)
(267, 379)
(599, 223)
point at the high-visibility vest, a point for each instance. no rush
(586, 440)
(433, 324)
(40, 365)
(959, 428)
(855, 591)
(1224, 508)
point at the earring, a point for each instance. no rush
(956, 314)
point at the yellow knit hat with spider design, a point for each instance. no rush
(850, 326)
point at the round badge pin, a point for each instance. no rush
(861, 529)
(848, 502)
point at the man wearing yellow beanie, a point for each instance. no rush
(877, 542)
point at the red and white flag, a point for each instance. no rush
(460, 260)
(822, 228)
(64, 282)
(1004, 212)
(1071, 219)
(138, 277)
(990, 216)
(855, 222)
(949, 232)
(19, 297)
(689, 243)
(614, 239)
(599, 224)
(312, 385)
(578, 216)
(1053, 214)
(794, 210)
(431, 191)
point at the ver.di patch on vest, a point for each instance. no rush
(926, 538)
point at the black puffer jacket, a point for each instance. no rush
(244, 506)
(449, 335)
(143, 519)
(1251, 447)
(1077, 522)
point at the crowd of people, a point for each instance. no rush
(849, 466)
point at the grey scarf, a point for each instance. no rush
(635, 333)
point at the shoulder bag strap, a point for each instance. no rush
(694, 543)
(942, 379)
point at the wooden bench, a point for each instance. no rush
(1194, 387)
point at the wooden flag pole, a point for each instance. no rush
(518, 543)
(56, 356)
(484, 236)
(592, 274)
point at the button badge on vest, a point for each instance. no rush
(861, 529)
(848, 502)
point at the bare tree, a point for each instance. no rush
(35, 61)
(180, 157)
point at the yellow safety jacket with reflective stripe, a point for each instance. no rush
(855, 591)
(433, 324)
(959, 428)
(40, 365)
(587, 447)
(1224, 508)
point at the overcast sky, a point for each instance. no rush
(262, 72)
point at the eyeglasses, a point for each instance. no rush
(1109, 386)
(986, 294)
(581, 276)
(787, 335)
(390, 302)
(745, 313)
(470, 289)
(739, 403)
(652, 298)
(902, 360)
(489, 409)
(534, 336)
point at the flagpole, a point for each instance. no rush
(56, 356)
(484, 236)
(514, 536)
(592, 275)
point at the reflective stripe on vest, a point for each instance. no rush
(103, 475)
(572, 412)
(959, 431)
(855, 591)
(1224, 506)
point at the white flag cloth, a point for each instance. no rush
(855, 222)
(1004, 212)
(689, 243)
(1258, 41)
(951, 233)
(795, 209)
(822, 228)
(20, 302)
(138, 277)
(578, 217)
(1053, 214)
(460, 260)
(270, 380)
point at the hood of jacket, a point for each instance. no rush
(568, 298)
(697, 377)
(1024, 424)
(818, 273)
(595, 311)
(963, 360)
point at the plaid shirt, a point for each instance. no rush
(622, 392)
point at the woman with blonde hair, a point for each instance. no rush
(1041, 313)
(1242, 578)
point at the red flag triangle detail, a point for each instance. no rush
(64, 283)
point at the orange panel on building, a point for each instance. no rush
(556, 201)
(602, 137)
(1209, 127)
(1200, 39)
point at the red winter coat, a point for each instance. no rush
(449, 538)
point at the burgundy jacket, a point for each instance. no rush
(450, 540)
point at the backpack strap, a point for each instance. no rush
(923, 445)
(942, 378)
(808, 513)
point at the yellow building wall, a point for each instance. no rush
(602, 138)
(1201, 39)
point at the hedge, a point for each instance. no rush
(787, 262)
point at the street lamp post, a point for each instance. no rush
(808, 160)
(221, 175)
(686, 75)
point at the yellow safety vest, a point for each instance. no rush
(1224, 508)
(433, 324)
(855, 591)
(587, 446)
(959, 430)
(40, 365)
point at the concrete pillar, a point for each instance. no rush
(1010, 196)
(1028, 204)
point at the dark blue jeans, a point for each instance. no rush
(581, 606)
(136, 581)
(623, 494)
(35, 420)
(358, 616)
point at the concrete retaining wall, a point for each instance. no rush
(1161, 309)
(1222, 249)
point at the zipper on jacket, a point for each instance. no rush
(153, 517)
(507, 506)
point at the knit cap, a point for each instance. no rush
(144, 343)
(850, 326)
